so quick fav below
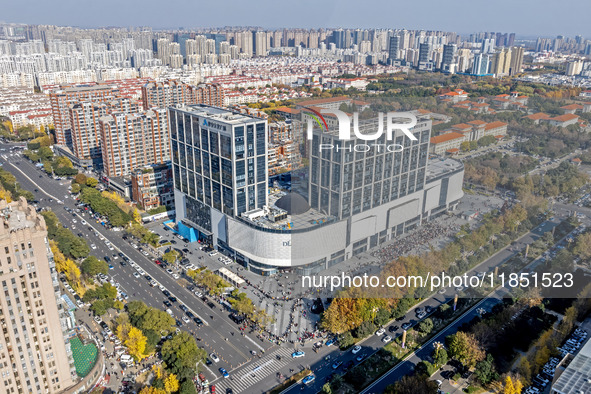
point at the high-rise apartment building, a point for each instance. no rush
(85, 125)
(131, 141)
(516, 60)
(61, 99)
(169, 93)
(35, 355)
(500, 64)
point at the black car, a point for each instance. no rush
(208, 361)
(179, 323)
(167, 303)
(121, 254)
(107, 259)
(428, 309)
(198, 321)
(183, 308)
(148, 278)
(190, 315)
(211, 305)
(166, 293)
(393, 328)
(123, 263)
(172, 299)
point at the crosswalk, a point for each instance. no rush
(243, 379)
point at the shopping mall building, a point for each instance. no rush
(348, 200)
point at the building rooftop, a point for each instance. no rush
(18, 215)
(439, 167)
(218, 114)
(576, 378)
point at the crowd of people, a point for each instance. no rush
(417, 238)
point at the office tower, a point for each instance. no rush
(34, 349)
(393, 48)
(481, 64)
(131, 141)
(516, 60)
(488, 45)
(343, 182)
(448, 62)
(61, 100)
(85, 126)
(172, 92)
(218, 160)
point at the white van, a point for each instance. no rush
(127, 359)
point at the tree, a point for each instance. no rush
(518, 386)
(181, 355)
(583, 246)
(326, 389)
(45, 153)
(413, 384)
(170, 256)
(151, 390)
(137, 218)
(91, 182)
(187, 387)
(465, 348)
(80, 179)
(508, 387)
(171, 383)
(465, 146)
(92, 266)
(485, 370)
(75, 188)
(441, 357)
(134, 340)
(426, 326)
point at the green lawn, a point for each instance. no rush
(84, 356)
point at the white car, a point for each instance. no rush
(356, 349)
(387, 339)
(162, 288)
(214, 358)
(186, 319)
(176, 276)
(381, 331)
(93, 246)
(74, 221)
(169, 271)
(83, 221)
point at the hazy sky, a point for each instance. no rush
(524, 17)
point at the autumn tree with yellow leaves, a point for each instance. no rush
(134, 339)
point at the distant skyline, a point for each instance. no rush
(527, 18)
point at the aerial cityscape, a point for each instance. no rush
(355, 205)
